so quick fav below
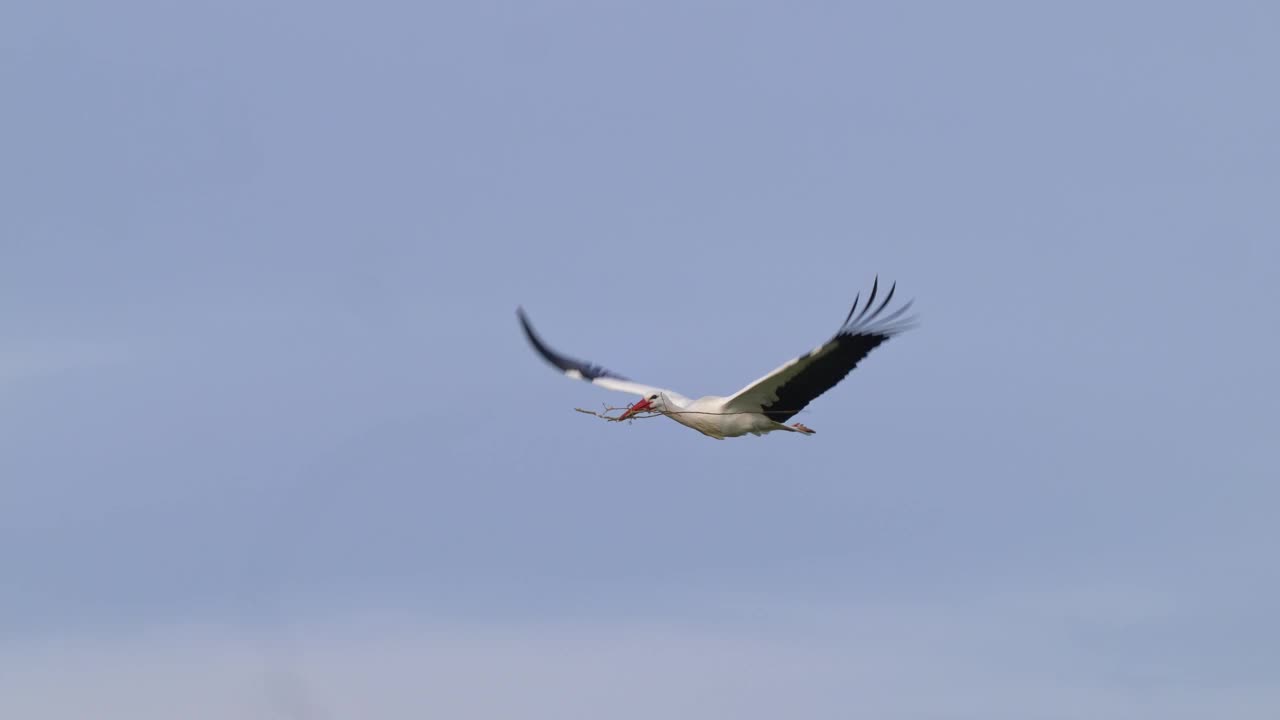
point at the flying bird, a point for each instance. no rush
(768, 403)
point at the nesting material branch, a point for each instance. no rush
(614, 414)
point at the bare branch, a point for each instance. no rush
(609, 410)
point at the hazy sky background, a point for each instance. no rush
(272, 446)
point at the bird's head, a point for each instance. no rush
(653, 403)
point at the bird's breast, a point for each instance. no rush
(709, 417)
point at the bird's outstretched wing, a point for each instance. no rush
(582, 370)
(788, 389)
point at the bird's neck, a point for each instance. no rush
(671, 403)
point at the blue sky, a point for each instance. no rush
(271, 443)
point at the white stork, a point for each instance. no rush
(766, 404)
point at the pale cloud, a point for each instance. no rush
(984, 660)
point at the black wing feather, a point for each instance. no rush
(823, 374)
(852, 343)
(563, 362)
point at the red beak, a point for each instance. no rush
(638, 407)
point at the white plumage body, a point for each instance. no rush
(710, 416)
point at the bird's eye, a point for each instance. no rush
(653, 397)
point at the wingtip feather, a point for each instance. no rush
(852, 310)
(875, 287)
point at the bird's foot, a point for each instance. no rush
(803, 429)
